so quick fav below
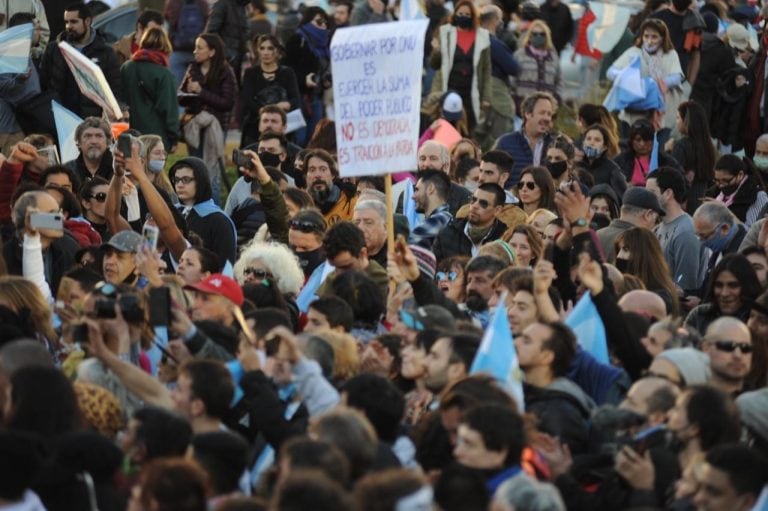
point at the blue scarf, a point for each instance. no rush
(317, 39)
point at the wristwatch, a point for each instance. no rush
(580, 222)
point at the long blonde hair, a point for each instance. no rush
(160, 179)
(18, 294)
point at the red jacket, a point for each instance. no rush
(83, 232)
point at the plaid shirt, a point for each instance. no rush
(425, 233)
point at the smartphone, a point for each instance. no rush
(151, 234)
(240, 159)
(52, 221)
(80, 334)
(50, 153)
(125, 144)
(159, 306)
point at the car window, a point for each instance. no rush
(117, 25)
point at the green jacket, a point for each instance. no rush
(150, 91)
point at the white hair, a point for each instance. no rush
(377, 206)
(522, 492)
(716, 213)
(279, 260)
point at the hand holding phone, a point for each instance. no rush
(50, 221)
(125, 144)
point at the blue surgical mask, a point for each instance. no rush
(591, 152)
(718, 242)
(156, 166)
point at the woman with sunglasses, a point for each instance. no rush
(733, 286)
(539, 63)
(93, 198)
(308, 53)
(536, 189)
(268, 83)
(449, 277)
(461, 53)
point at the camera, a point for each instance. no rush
(129, 304)
(241, 159)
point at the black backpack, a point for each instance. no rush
(191, 24)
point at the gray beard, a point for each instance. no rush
(93, 154)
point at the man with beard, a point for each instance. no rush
(684, 254)
(430, 195)
(466, 236)
(93, 137)
(529, 145)
(55, 73)
(480, 272)
(448, 361)
(337, 204)
(728, 343)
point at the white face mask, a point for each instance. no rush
(156, 166)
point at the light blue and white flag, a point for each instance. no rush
(66, 124)
(586, 323)
(409, 205)
(497, 356)
(15, 44)
(411, 10)
(654, 163)
(604, 33)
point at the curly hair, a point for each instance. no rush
(281, 262)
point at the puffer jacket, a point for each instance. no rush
(452, 241)
(229, 21)
(55, 75)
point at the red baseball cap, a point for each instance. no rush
(218, 284)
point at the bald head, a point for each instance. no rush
(645, 303)
(729, 346)
(728, 327)
(434, 155)
(650, 395)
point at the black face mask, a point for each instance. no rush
(730, 189)
(557, 168)
(622, 264)
(310, 260)
(269, 159)
(462, 21)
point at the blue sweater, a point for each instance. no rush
(517, 146)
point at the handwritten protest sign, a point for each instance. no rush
(91, 81)
(377, 93)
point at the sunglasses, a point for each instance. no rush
(305, 226)
(449, 276)
(731, 346)
(528, 184)
(257, 273)
(483, 203)
(183, 179)
(98, 197)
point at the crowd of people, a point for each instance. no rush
(169, 341)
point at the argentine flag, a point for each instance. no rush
(497, 356)
(15, 44)
(66, 124)
(586, 323)
(409, 205)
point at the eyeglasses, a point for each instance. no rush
(528, 184)
(482, 202)
(305, 226)
(725, 182)
(98, 197)
(183, 179)
(257, 273)
(450, 276)
(731, 346)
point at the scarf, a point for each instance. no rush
(477, 234)
(653, 60)
(728, 199)
(317, 39)
(154, 56)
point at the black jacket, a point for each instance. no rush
(560, 415)
(606, 171)
(626, 163)
(452, 241)
(745, 197)
(62, 252)
(83, 174)
(229, 21)
(56, 76)
(716, 57)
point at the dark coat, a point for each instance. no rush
(217, 98)
(606, 171)
(252, 96)
(62, 252)
(452, 241)
(83, 175)
(228, 20)
(55, 75)
(716, 57)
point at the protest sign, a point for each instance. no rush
(377, 93)
(91, 81)
(15, 44)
